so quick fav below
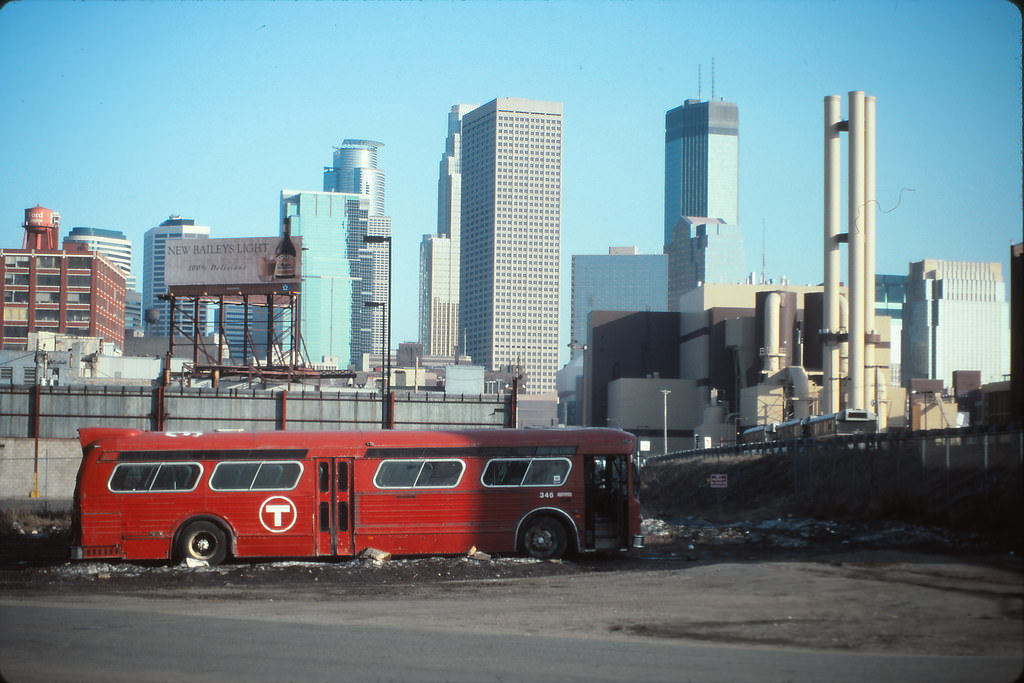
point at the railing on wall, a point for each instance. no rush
(58, 412)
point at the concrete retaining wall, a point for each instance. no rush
(58, 461)
(58, 412)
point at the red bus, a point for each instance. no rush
(179, 495)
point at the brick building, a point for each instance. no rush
(72, 291)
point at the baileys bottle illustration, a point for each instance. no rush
(284, 256)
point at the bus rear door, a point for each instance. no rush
(334, 506)
(607, 491)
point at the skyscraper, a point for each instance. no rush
(956, 317)
(511, 235)
(439, 253)
(701, 162)
(337, 274)
(355, 171)
(153, 282)
(701, 232)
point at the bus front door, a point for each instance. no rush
(334, 506)
(607, 491)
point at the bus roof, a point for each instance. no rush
(138, 440)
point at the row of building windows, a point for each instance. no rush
(20, 296)
(18, 314)
(51, 262)
(14, 331)
(45, 280)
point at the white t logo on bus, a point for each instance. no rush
(280, 512)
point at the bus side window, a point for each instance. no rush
(233, 476)
(547, 472)
(440, 473)
(505, 472)
(132, 477)
(176, 478)
(269, 476)
(397, 474)
(255, 476)
(400, 474)
(277, 476)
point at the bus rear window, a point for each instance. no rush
(526, 472)
(128, 478)
(403, 474)
(255, 476)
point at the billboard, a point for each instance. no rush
(220, 266)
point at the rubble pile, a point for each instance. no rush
(696, 535)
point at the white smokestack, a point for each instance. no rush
(855, 230)
(870, 204)
(830, 313)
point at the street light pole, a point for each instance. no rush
(664, 419)
(385, 417)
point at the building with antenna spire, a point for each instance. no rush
(701, 162)
(702, 234)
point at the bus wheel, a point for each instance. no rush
(543, 538)
(202, 541)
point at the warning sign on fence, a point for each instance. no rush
(719, 481)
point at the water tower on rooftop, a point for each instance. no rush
(41, 225)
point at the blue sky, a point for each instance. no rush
(119, 114)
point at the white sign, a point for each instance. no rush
(719, 481)
(232, 261)
(278, 514)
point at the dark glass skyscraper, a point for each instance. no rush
(701, 162)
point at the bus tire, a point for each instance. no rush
(543, 538)
(202, 541)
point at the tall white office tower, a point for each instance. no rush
(439, 253)
(153, 282)
(355, 171)
(511, 236)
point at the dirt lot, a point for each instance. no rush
(792, 582)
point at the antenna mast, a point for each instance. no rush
(712, 78)
(698, 82)
(764, 250)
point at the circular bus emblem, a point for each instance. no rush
(278, 514)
